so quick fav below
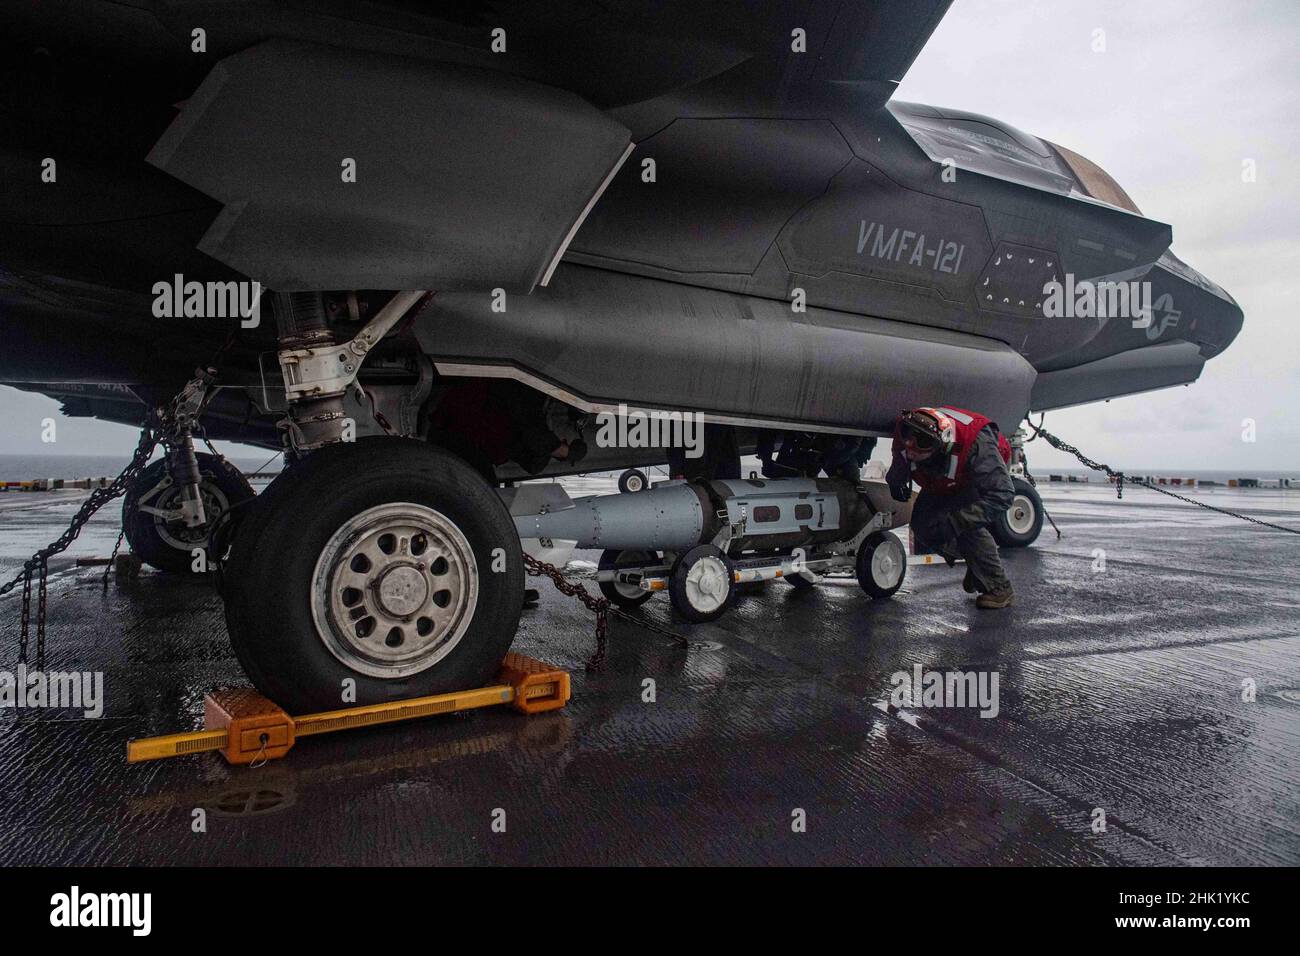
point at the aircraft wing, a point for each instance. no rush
(871, 41)
(458, 175)
(626, 51)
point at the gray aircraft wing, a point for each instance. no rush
(615, 52)
(471, 172)
(871, 41)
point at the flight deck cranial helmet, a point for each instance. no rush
(927, 430)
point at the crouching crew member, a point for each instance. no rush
(959, 459)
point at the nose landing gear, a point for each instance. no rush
(151, 512)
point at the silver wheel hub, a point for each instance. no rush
(707, 584)
(887, 563)
(403, 590)
(175, 533)
(394, 590)
(1020, 516)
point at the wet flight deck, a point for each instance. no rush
(770, 737)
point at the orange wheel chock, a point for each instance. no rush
(247, 728)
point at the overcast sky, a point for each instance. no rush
(1184, 92)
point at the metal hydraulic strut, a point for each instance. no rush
(318, 371)
(179, 422)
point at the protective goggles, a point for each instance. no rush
(919, 439)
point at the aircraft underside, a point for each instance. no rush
(425, 259)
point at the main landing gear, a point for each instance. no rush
(373, 571)
(373, 568)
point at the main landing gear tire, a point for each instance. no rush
(881, 564)
(169, 545)
(385, 562)
(702, 584)
(625, 595)
(632, 481)
(1019, 525)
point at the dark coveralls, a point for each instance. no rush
(956, 525)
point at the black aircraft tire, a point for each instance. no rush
(169, 547)
(682, 584)
(345, 499)
(632, 481)
(881, 564)
(246, 529)
(1019, 525)
(611, 559)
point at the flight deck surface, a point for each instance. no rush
(1120, 690)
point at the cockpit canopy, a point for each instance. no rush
(992, 148)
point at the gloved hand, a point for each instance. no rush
(901, 492)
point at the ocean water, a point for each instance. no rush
(31, 467)
(1201, 474)
(28, 467)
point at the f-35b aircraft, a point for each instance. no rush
(473, 226)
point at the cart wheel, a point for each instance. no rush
(882, 564)
(632, 481)
(1019, 525)
(626, 595)
(702, 584)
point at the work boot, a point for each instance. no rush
(969, 584)
(994, 599)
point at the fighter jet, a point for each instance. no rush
(421, 248)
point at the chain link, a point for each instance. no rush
(112, 558)
(38, 564)
(23, 635)
(96, 500)
(221, 459)
(648, 625)
(43, 572)
(598, 605)
(1120, 478)
(601, 606)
